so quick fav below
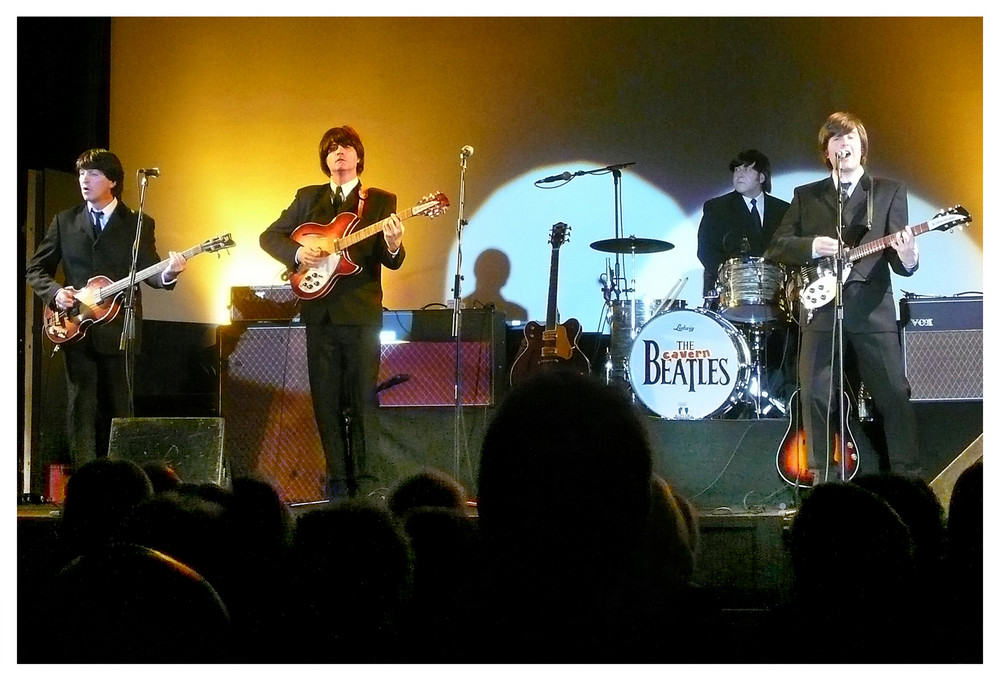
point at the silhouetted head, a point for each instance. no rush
(842, 528)
(99, 498)
(565, 471)
(430, 487)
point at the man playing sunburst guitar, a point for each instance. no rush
(95, 238)
(343, 321)
(873, 208)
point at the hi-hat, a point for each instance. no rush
(631, 245)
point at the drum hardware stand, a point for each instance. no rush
(757, 337)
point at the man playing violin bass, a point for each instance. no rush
(343, 326)
(95, 238)
(873, 208)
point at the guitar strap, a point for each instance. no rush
(871, 203)
(363, 194)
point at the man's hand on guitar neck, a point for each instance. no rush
(393, 232)
(905, 244)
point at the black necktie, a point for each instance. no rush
(97, 222)
(338, 199)
(755, 213)
(844, 188)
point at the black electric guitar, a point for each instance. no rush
(793, 452)
(820, 277)
(555, 344)
(101, 299)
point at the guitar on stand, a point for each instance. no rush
(555, 344)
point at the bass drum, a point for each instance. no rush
(689, 364)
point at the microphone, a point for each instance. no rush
(467, 151)
(603, 281)
(149, 172)
(843, 153)
(556, 178)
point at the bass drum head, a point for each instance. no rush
(689, 364)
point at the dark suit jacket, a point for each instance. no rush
(355, 299)
(725, 222)
(868, 297)
(70, 241)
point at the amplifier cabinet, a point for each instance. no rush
(263, 304)
(943, 347)
(266, 401)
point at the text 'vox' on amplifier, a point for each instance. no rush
(943, 347)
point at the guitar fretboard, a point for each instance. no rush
(551, 313)
(362, 234)
(114, 289)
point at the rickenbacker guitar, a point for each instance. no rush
(555, 344)
(101, 299)
(793, 452)
(335, 237)
(820, 277)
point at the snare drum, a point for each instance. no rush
(751, 290)
(689, 364)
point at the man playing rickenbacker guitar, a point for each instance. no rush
(343, 325)
(874, 208)
(94, 239)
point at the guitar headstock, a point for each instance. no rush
(432, 205)
(218, 243)
(956, 216)
(559, 234)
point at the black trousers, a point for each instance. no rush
(880, 367)
(97, 391)
(343, 366)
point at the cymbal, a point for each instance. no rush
(631, 245)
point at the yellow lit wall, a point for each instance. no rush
(232, 110)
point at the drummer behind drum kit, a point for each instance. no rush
(701, 363)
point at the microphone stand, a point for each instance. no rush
(838, 326)
(619, 372)
(456, 321)
(127, 342)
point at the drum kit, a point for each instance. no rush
(708, 362)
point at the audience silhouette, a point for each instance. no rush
(579, 553)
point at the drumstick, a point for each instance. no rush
(669, 300)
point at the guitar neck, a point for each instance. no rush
(371, 230)
(114, 289)
(878, 245)
(550, 314)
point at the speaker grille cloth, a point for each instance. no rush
(270, 428)
(945, 365)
